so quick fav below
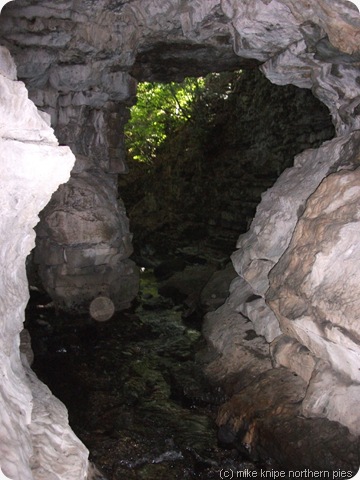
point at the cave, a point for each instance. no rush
(285, 339)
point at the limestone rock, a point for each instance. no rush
(276, 216)
(77, 62)
(242, 299)
(329, 395)
(277, 393)
(318, 274)
(32, 165)
(287, 352)
(28, 127)
(7, 64)
(339, 19)
(76, 58)
(89, 119)
(319, 285)
(216, 291)
(83, 244)
(261, 18)
(270, 232)
(273, 425)
(262, 317)
(52, 459)
(240, 354)
(323, 71)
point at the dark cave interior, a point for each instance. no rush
(134, 385)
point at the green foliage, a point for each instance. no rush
(160, 110)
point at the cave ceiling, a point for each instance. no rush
(168, 40)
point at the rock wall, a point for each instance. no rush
(296, 289)
(316, 304)
(35, 438)
(76, 58)
(87, 254)
(83, 239)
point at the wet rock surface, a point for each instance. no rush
(265, 421)
(152, 400)
(134, 388)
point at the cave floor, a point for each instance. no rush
(134, 388)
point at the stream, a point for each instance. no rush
(134, 388)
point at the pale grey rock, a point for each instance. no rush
(330, 396)
(32, 165)
(30, 126)
(276, 216)
(260, 29)
(46, 117)
(15, 401)
(7, 64)
(240, 291)
(308, 70)
(288, 352)
(45, 98)
(120, 86)
(339, 18)
(312, 339)
(295, 62)
(240, 352)
(77, 64)
(295, 59)
(70, 78)
(83, 244)
(262, 317)
(318, 300)
(35, 66)
(56, 452)
(243, 300)
(76, 58)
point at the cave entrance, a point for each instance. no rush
(194, 183)
(66, 73)
(136, 378)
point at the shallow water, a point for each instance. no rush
(135, 392)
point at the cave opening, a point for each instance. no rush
(139, 375)
(201, 190)
(88, 100)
